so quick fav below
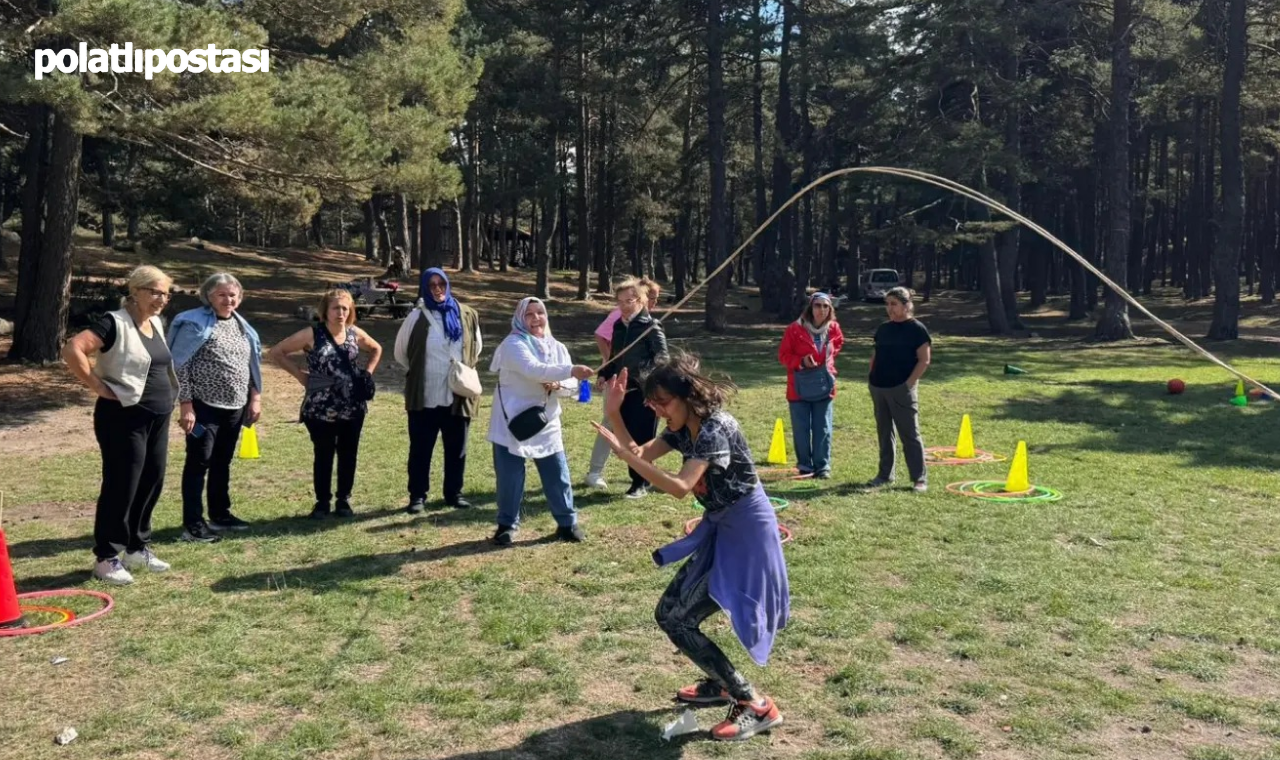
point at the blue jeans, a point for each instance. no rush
(554, 472)
(811, 423)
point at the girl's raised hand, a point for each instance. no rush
(614, 389)
(608, 437)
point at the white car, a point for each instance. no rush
(877, 282)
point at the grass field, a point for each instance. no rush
(1136, 618)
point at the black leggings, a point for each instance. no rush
(679, 613)
(135, 453)
(341, 437)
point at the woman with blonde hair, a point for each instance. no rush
(604, 341)
(133, 376)
(337, 396)
(641, 421)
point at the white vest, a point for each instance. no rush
(123, 367)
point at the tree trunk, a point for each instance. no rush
(716, 239)
(415, 238)
(317, 230)
(370, 210)
(40, 327)
(1010, 240)
(989, 273)
(36, 169)
(108, 205)
(761, 251)
(581, 159)
(684, 221)
(1226, 270)
(1114, 323)
(1270, 232)
(775, 291)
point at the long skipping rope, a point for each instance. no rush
(970, 193)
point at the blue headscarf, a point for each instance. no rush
(448, 309)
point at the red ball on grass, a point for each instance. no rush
(1176, 386)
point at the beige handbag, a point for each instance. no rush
(464, 381)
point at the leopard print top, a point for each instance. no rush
(218, 374)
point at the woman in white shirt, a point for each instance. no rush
(533, 370)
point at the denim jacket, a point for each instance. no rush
(192, 328)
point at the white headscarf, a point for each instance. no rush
(541, 345)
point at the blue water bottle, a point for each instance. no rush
(584, 392)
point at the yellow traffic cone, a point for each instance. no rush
(248, 442)
(1018, 481)
(1239, 387)
(964, 444)
(778, 447)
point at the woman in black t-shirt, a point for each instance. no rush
(903, 350)
(123, 358)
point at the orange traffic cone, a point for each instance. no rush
(10, 612)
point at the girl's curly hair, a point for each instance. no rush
(681, 376)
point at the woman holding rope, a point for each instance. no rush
(735, 556)
(634, 322)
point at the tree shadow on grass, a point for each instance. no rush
(621, 735)
(363, 567)
(1135, 417)
(297, 524)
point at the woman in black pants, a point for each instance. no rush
(641, 421)
(218, 359)
(333, 414)
(134, 378)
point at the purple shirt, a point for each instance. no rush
(740, 550)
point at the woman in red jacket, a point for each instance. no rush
(808, 351)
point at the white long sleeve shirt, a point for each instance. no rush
(521, 373)
(439, 351)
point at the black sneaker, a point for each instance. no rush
(458, 502)
(877, 482)
(344, 509)
(504, 536)
(320, 511)
(416, 506)
(571, 533)
(636, 492)
(199, 533)
(228, 522)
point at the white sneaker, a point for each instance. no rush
(145, 559)
(111, 571)
(596, 480)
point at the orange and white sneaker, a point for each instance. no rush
(704, 692)
(746, 719)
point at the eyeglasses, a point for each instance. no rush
(165, 294)
(436, 285)
(627, 301)
(659, 403)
